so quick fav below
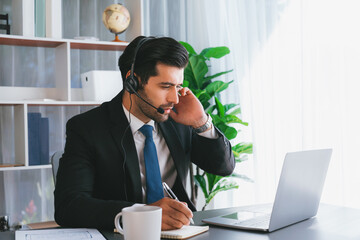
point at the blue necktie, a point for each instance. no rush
(154, 190)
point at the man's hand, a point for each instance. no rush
(174, 214)
(189, 110)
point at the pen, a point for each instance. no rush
(173, 196)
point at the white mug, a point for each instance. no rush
(140, 222)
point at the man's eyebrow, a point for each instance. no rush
(170, 84)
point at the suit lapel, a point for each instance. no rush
(123, 137)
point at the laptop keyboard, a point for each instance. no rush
(256, 222)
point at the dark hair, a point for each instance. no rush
(163, 50)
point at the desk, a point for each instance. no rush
(331, 223)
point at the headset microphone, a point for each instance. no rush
(159, 109)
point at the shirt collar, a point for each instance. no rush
(136, 124)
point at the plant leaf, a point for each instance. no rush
(217, 75)
(199, 92)
(212, 180)
(215, 52)
(241, 158)
(236, 111)
(234, 119)
(218, 121)
(188, 47)
(219, 107)
(189, 77)
(216, 87)
(199, 69)
(224, 186)
(185, 83)
(211, 109)
(204, 96)
(200, 181)
(227, 107)
(205, 105)
(230, 132)
(242, 177)
(243, 148)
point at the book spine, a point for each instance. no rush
(34, 138)
(44, 141)
(40, 18)
(23, 17)
(53, 18)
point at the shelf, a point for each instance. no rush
(41, 96)
(14, 40)
(60, 98)
(97, 45)
(50, 103)
(3, 169)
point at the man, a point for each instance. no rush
(105, 166)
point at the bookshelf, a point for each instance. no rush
(23, 99)
(60, 62)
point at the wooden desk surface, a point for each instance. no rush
(331, 223)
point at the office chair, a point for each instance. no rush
(55, 159)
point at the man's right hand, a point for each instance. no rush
(174, 214)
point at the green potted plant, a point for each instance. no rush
(225, 117)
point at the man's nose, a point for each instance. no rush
(173, 96)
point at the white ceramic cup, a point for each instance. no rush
(140, 222)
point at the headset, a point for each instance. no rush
(131, 83)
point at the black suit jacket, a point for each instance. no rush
(99, 171)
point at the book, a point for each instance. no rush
(38, 139)
(182, 233)
(40, 18)
(60, 234)
(23, 17)
(53, 16)
(43, 225)
(44, 141)
(34, 138)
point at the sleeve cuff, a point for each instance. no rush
(212, 134)
(138, 205)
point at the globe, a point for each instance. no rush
(116, 18)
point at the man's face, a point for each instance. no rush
(160, 91)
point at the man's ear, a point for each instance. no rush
(128, 74)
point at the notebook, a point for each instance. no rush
(297, 197)
(182, 233)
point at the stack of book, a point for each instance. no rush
(38, 139)
(39, 18)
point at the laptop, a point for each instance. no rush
(297, 197)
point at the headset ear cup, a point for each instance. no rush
(131, 84)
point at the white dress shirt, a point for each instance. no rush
(166, 163)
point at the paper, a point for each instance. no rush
(184, 232)
(59, 234)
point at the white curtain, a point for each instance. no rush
(297, 68)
